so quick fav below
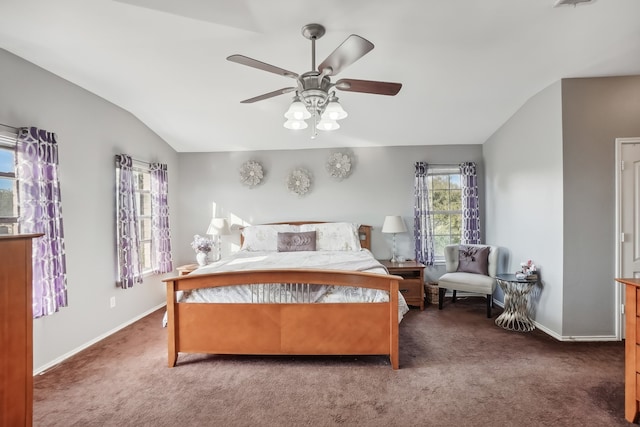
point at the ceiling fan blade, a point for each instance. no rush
(352, 49)
(269, 95)
(250, 62)
(368, 86)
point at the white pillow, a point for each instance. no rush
(261, 238)
(335, 236)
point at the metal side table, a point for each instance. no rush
(515, 316)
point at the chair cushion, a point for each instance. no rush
(474, 259)
(467, 282)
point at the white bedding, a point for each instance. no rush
(361, 260)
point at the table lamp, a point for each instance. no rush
(394, 224)
(218, 227)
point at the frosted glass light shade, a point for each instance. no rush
(295, 124)
(334, 111)
(394, 224)
(326, 124)
(297, 110)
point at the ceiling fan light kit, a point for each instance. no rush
(315, 96)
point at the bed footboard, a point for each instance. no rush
(284, 328)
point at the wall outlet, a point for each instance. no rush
(112, 302)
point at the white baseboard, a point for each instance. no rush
(41, 369)
(553, 334)
(569, 338)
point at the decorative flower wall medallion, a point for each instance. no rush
(251, 173)
(299, 182)
(338, 165)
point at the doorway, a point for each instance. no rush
(627, 219)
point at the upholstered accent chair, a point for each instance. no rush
(470, 268)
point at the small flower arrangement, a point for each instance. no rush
(528, 268)
(201, 244)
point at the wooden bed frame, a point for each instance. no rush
(283, 328)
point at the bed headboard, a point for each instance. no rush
(364, 231)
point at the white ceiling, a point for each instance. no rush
(466, 65)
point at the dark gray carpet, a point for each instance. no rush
(456, 369)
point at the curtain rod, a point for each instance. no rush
(138, 161)
(10, 127)
(141, 161)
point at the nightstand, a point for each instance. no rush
(183, 270)
(412, 287)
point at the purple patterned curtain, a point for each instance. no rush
(423, 221)
(41, 212)
(470, 204)
(161, 254)
(128, 239)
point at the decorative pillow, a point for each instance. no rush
(292, 242)
(335, 236)
(474, 259)
(261, 238)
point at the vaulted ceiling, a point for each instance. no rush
(466, 66)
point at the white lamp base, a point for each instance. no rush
(393, 255)
(218, 248)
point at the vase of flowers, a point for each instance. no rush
(528, 270)
(202, 258)
(528, 267)
(202, 246)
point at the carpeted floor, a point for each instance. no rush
(456, 369)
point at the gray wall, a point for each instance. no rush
(381, 184)
(595, 112)
(523, 162)
(566, 134)
(90, 132)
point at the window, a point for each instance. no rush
(8, 185)
(142, 179)
(445, 199)
(142, 195)
(142, 220)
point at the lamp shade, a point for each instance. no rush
(326, 124)
(394, 224)
(295, 124)
(297, 110)
(218, 227)
(334, 110)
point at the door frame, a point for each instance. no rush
(618, 298)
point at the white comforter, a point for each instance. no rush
(362, 260)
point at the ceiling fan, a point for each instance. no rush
(314, 93)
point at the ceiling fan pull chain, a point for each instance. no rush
(314, 131)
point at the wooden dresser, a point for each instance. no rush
(631, 348)
(16, 323)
